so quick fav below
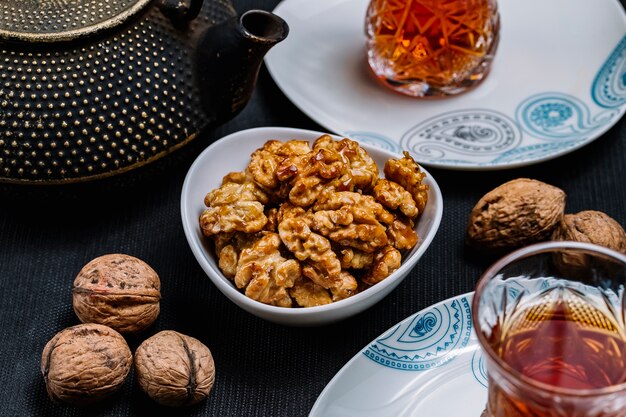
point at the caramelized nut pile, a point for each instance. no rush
(306, 226)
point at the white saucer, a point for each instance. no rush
(429, 364)
(557, 83)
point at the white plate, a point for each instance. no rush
(428, 365)
(557, 83)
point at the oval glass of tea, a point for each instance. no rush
(550, 319)
(431, 48)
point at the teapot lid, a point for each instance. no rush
(61, 20)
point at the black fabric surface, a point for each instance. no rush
(263, 369)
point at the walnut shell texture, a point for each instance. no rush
(174, 369)
(119, 291)
(514, 214)
(85, 363)
(592, 227)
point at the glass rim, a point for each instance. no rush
(521, 253)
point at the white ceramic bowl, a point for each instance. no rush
(232, 153)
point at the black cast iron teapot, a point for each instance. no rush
(92, 88)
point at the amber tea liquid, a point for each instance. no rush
(431, 47)
(561, 339)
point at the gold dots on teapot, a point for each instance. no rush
(63, 19)
(115, 102)
(115, 99)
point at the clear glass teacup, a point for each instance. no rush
(431, 48)
(551, 320)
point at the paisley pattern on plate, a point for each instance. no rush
(557, 116)
(563, 120)
(462, 132)
(609, 86)
(430, 339)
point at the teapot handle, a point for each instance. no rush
(180, 11)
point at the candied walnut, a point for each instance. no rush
(236, 177)
(393, 196)
(119, 291)
(401, 234)
(386, 261)
(324, 163)
(515, 214)
(350, 226)
(85, 363)
(334, 200)
(305, 191)
(232, 192)
(265, 273)
(238, 240)
(288, 210)
(591, 226)
(355, 259)
(240, 216)
(363, 169)
(293, 147)
(236, 206)
(409, 175)
(221, 240)
(345, 287)
(312, 173)
(174, 369)
(263, 165)
(306, 293)
(228, 246)
(351, 219)
(228, 258)
(309, 246)
(264, 288)
(264, 161)
(272, 220)
(342, 286)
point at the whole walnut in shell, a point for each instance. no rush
(515, 214)
(592, 227)
(119, 291)
(174, 369)
(85, 363)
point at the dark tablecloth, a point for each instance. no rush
(263, 369)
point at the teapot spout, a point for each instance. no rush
(264, 28)
(229, 57)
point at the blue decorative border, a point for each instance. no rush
(479, 370)
(427, 340)
(559, 117)
(609, 86)
(375, 139)
(562, 121)
(537, 151)
(465, 132)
